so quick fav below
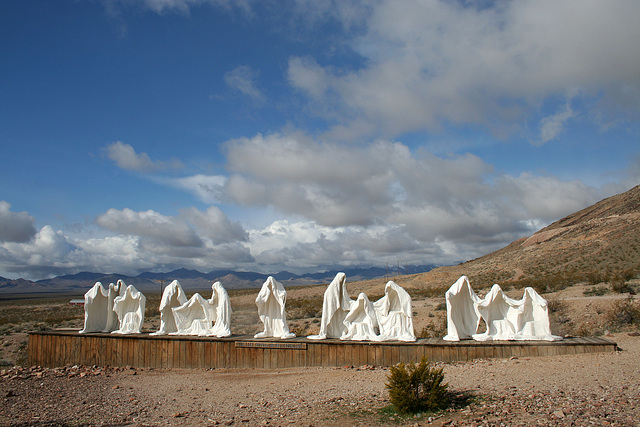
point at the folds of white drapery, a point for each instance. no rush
(506, 318)
(463, 316)
(361, 321)
(195, 317)
(335, 306)
(173, 296)
(395, 314)
(98, 307)
(271, 301)
(221, 307)
(130, 310)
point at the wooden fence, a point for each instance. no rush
(60, 348)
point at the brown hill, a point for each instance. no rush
(600, 243)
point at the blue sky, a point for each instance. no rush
(271, 135)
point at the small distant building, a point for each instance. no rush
(77, 302)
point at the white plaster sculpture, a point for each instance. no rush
(221, 306)
(271, 302)
(335, 306)
(395, 314)
(195, 317)
(463, 317)
(506, 318)
(494, 309)
(172, 296)
(509, 319)
(531, 318)
(361, 322)
(130, 310)
(98, 308)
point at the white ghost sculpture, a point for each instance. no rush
(271, 302)
(530, 316)
(130, 310)
(172, 296)
(395, 314)
(509, 319)
(494, 309)
(463, 317)
(506, 318)
(98, 308)
(361, 321)
(335, 306)
(195, 317)
(221, 306)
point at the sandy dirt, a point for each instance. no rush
(587, 389)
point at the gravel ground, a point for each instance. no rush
(588, 389)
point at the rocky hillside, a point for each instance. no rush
(600, 243)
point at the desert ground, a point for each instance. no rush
(587, 389)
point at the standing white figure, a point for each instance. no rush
(335, 306)
(221, 306)
(463, 317)
(98, 308)
(525, 319)
(494, 309)
(530, 316)
(130, 310)
(114, 292)
(195, 317)
(172, 296)
(361, 322)
(395, 314)
(95, 309)
(271, 301)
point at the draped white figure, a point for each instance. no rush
(195, 317)
(98, 308)
(221, 306)
(172, 296)
(130, 310)
(335, 306)
(271, 301)
(494, 309)
(463, 317)
(530, 317)
(509, 319)
(395, 314)
(361, 321)
(505, 318)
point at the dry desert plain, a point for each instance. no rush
(586, 389)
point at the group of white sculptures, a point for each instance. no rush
(120, 309)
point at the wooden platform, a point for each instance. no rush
(60, 348)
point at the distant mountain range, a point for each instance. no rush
(196, 280)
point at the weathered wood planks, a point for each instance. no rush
(59, 348)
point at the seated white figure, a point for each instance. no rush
(221, 306)
(530, 317)
(195, 317)
(172, 296)
(395, 314)
(130, 310)
(361, 322)
(98, 308)
(271, 301)
(463, 317)
(335, 306)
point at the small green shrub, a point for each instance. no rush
(418, 388)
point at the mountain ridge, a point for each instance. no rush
(190, 279)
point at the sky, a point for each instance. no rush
(300, 135)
